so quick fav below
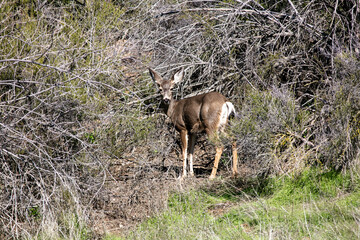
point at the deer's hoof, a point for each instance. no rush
(182, 176)
(235, 175)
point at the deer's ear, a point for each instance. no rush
(178, 77)
(155, 76)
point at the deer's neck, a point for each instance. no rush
(170, 108)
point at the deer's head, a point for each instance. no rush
(165, 86)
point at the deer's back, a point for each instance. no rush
(198, 113)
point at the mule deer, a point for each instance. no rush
(207, 112)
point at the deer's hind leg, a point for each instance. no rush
(219, 151)
(214, 136)
(184, 146)
(192, 140)
(235, 159)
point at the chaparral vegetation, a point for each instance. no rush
(87, 153)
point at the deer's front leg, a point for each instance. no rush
(192, 139)
(184, 145)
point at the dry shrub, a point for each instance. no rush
(75, 97)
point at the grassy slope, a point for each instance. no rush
(314, 205)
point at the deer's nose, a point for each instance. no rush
(166, 100)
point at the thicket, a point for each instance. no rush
(75, 95)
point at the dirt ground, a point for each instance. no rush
(138, 186)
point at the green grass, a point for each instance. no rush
(313, 205)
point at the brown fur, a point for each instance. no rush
(199, 113)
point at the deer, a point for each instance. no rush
(208, 112)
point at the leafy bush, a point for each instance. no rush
(337, 131)
(273, 131)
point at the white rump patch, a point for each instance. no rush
(231, 108)
(226, 110)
